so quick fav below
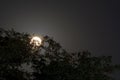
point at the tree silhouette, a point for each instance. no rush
(14, 51)
(48, 61)
(58, 64)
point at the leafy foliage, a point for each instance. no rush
(14, 50)
(48, 61)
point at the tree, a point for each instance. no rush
(48, 61)
(58, 64)
(14, 51)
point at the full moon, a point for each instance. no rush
(37, 41)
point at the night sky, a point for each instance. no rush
(92, 25)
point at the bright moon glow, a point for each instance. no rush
(37, 41)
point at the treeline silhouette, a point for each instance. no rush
(48, 61)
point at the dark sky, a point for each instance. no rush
(77, 25)
(92, 25)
